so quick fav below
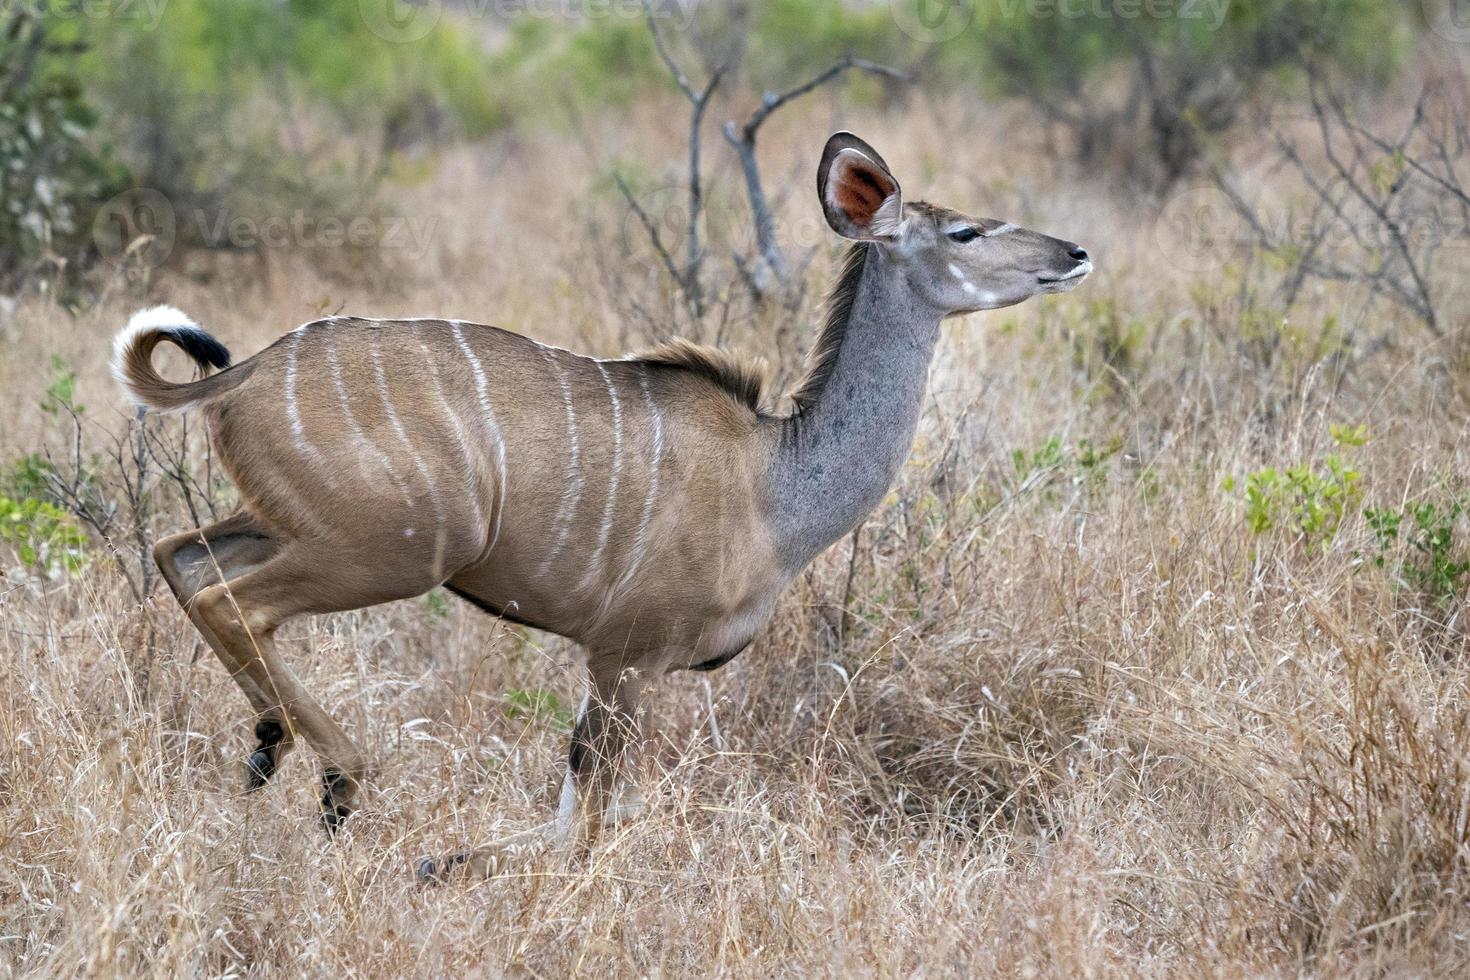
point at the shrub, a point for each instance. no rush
(1086, 464)
(793, 39)
(1311, 500)
(42, 535)
(544, 67)
(1186, 68)
(1437, 560)
(251, 108)
(51, 176)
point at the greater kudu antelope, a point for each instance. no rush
(648, 508)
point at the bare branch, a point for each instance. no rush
(688, 281)
(1425, 304)
(743, 139)
(1449, 187)
(651, 229)
(663, 54)
(772, 101)
(1368, 193)
(696, 193)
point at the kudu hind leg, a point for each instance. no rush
(244, 614)
(193, 561)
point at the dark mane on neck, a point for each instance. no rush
(823, 356)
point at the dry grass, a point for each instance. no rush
(1080, 724)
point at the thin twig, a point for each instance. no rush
(689, 280)
(651, 229)
(771, 101)
(743, 139)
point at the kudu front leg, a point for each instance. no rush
(599, 758)
(607, 726)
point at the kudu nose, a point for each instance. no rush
(1079, 253)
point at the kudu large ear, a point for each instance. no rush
(859, 195)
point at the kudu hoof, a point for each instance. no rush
(259, 769)
(334, 811)
(431, 872)
(261, 765)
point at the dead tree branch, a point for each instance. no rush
(766, 271)
(689, 280)
(769, 272)
(651, 228)
(1376, 218)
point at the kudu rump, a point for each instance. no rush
(647, 507)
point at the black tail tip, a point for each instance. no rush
(202, 347)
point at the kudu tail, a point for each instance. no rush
(132, 360)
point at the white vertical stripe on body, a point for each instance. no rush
(292, 411)
(418, 463)
(594, 564)
(572, 493)
(640, 537)
(461, 437)
(304, 445)
(482, 395)
(358, 434)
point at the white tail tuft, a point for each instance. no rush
(155, 317)
(132, 362)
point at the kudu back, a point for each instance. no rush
(651, 508)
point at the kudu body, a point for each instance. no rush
(647, 508)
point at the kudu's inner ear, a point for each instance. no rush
(861, 199)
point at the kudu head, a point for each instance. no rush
(953, 262)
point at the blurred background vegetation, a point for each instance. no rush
(235, 106)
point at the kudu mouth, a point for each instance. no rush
(1071, 277)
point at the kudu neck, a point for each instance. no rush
(838, 456)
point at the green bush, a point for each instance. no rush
(51, 174)
(793, 39)
(43, 537)
(546, 67)
(257, 108)
(1309, 500)
(1437, 559)
(1086, 465)
(1144, 86)
(32, 475)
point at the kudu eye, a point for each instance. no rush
(963, 235)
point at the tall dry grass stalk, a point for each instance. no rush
(1058, 715)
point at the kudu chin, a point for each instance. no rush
(651, 508)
